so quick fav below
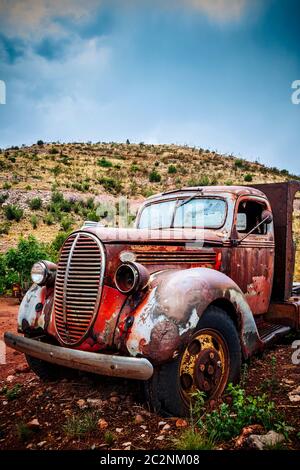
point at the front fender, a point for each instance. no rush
(167, 317)
(35, 308)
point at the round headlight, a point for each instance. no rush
(131, 277)
(44, 273)
(39, 273)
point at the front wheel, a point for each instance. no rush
(209, 362)
(46, 371)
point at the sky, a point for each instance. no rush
(215, 74)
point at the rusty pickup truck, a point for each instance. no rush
(202, 282)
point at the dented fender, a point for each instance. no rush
(35, 308)
(168, 315)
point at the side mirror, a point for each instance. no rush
(267, 216)
(241, 223)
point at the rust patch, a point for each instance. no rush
(164, 341)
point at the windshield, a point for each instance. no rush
(196, 213)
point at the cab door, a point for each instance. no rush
(252, 258)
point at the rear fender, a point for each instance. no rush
(168, 315)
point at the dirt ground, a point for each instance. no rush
(126, 421)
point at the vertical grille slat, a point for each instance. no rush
(78, 286)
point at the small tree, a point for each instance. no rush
(172, 169)
(154, 177)
(21, 259)
(13, 212)
(248, 177)
(35, 203)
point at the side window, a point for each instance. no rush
(249, 215)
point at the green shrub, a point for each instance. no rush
(49, 219)
(4, 228)
(93, 216)
(109, 438)
(53, 151)
(59, 204)
(111, 184)
(193, 440)
(21, 259)
(154, 176)
(241, 164)
(34, 221)
(57, 170)
(13, 212)
(105, 163)
(248, 177)
(14, 392)
(66, 224)
(228, 420)
(81, 425)
(35, 203)
(202, 181)
(6, 185)
(66, 205)
(272, 383)
(172, 169)
(57, 197)
(65, 159)
(90, 204)
(59, 241)
(24, 432)
(134, 168)
(147, 192)
(3, 198)
(40, 143)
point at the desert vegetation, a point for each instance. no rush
(50, 188)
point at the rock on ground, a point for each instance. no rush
(260, 442)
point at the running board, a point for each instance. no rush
(270, 332)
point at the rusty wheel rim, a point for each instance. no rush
(204, 365)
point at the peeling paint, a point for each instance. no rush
(27, 310)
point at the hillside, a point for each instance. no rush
(91, 176)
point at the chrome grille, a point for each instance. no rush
(78, 286)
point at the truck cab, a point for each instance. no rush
(202, 282)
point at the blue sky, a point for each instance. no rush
(211, 73)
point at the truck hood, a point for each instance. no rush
(168, 236)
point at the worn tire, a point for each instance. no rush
(46, 371)
(163, 389)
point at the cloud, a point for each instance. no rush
(31, 17)
(219, 10)
(35, 17)
(11, 49)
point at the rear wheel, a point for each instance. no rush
(210, 361)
